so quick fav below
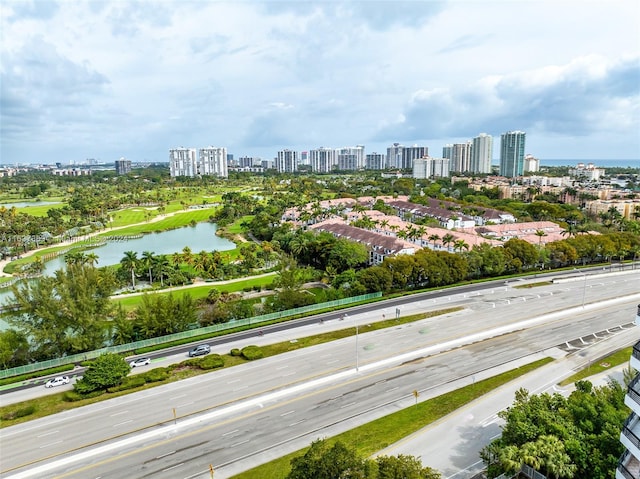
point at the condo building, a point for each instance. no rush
(375, 161)
(428, 167)
(512, 153)
(287, 161)
(182, 162)
(322, 159)
(481, 154)
(350, 158)
(400, 156)
(213, 162)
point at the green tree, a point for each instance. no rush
(403, 467)
(104, 372)
(148, 260)
(14, 348)
(323, 461)
(347, 254)
(130, 263)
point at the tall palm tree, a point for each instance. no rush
(540, 234)
(162, 267)
(434, 238)
(148, 260)
(130, 263)
(187, 255)
(459, 245)
(448, 239)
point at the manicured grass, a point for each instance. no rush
(533, 285)
(178, 220)
(381, 433)
(198, 292)
(39, 210)
(608, 362)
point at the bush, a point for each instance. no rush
(212, 361)
(155, 375)
(130, 382)
(257, 287)
(21, 412)
(252, 352)
(72, 396)
(235, 352)
(193, 362)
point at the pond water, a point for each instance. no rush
(198, 238)
(26, 204)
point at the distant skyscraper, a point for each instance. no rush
(461, 157)
(447, 151)
(394, 156)
(375, 161)
(512, 153)
(322, 159)
(123, 166)
(287, 161)
(350, 158)
(213, 161)
(400, 156)
(428, 167)
(482, 153)
(182, 162)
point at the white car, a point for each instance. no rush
(140, 362)
(57, 381)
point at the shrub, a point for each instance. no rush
(192, 362)
(252, 352)
(155, 375)
(235, 352)
(20, 412)
(130, 382)
(257, 287)
(212, 361)
(72, 396)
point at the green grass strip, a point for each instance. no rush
(381, 433)
(600, 366)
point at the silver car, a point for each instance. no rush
(57, 381)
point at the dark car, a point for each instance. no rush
(200, 350)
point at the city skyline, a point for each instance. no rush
(105, 80)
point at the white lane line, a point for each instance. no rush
(165, 455)
(185, 404)
(347, 405)
(51, 444)
(48, 433)
(333, 362)
(281, 367)
(287, 413)
(121, 423)
(393, 389)
(233, 381)
(239, 443)
(119, 413)
(296, 423)
(173, 467)
(230, 432)
(177, 397)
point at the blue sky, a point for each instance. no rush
(110, 79)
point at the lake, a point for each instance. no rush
(27, 204)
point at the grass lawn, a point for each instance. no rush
(608, 362)
(376, 435)
(178, 220)
(39, 210)
(197, 292)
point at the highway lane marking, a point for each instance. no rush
(282, 367)
(347, 405)
(296, 423)
(48, 433)
(334, 361)
(185, 404)
(467, 469)
(51, 444)
(291, 373)
(119, 413)
(287, 413)
(230, 432)
(392, 389)
(240, 443)
(173, 467)
(165, 455)
(122, 423)
(233, 381)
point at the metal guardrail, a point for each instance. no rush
(77, 358)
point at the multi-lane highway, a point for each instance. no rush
(245, 415)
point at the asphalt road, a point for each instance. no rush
(280, 404)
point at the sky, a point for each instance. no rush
(109, 79)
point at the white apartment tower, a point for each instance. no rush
(531, 163)
(287, 161)
(424, 168)
(399, 156)
(375, 161)
(213, 162)
(482, 153)
(461, 157)
(182, 162)
(322, 159)
(350, 158)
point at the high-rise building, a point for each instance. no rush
(350, 158)
(375, 161)
(428, 167)
(447, 151)
(123, 166)
(213, 161)
(287, 161)
(531, 163)
(322, 159)
(182, 161)
(629, 463)
(461, 157)
(512, 153)
(400, 156)
(481, 153)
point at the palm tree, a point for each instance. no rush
(130, 263)
(148, 261)
(434, 238)
(460, 244)
(187, 255)
(448, 239)
(162, 266)
(540, 234)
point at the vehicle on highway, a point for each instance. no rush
(200, 350)
(57, 381)
(140, 362)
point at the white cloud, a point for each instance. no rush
(134, 78)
